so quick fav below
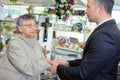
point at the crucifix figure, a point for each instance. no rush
(46, 25)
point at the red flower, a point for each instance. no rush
(73, 2)
(66, 17)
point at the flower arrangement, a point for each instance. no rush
(64, 8)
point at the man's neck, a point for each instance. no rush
(104, 21)
(103, 18)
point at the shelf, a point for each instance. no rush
(5, 21)
(67, 51)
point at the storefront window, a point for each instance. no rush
(116, 16)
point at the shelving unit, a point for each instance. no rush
(70, 49)
(6, 32)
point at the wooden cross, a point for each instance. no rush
(46, 25)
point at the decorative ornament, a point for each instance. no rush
(30, 9)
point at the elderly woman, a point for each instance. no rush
(24, 59)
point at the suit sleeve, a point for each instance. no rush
(101, 50)
(73, 63)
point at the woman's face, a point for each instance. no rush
(28, 29)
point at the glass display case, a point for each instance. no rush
(69, 37)
(7, 29)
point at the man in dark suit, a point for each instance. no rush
(102, 50)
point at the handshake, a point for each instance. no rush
(54, 63)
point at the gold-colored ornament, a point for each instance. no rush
(37, 31)
(44, 51)
(30, 9)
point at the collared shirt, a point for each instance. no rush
(103, 21)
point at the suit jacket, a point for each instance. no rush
(100, 57)
(23, 60)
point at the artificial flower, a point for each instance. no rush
(64, 8)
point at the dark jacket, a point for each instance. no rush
(100, 57)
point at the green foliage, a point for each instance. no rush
(1, 46)
(13, 1)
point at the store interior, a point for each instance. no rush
(67, 35)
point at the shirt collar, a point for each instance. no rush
(103, 22)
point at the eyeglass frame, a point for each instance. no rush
(30, 26)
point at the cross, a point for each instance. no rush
(46, 25)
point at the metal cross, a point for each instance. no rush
(46, 25)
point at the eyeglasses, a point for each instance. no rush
(30, 26)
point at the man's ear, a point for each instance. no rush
(101, 9)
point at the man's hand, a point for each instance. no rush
(61, 61)
(55, 63)
(53, 68)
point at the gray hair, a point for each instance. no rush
(108, 5)
(22, 18)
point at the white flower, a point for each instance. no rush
(63, 1)
(68, 12)
(61, 5)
